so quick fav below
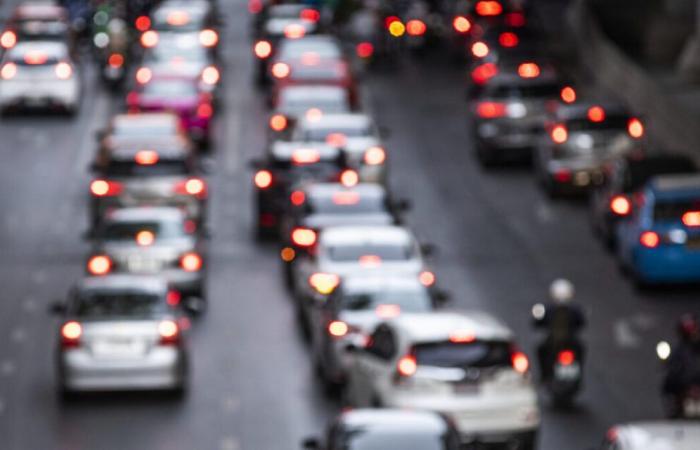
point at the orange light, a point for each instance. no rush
(370, 261)
(649, 239)
(280, 70)
(480, 49)
(416, 27)
(491, 110)
(324, 283)
(338, 328)
(375, 156)
(208, 38)
(191, 262)
(263, 179)
(143, 75)
(178, 18)
(142, 23)
(691, 219)
(8, 39)
(288, 254)
(210, 75)
(520, 362)
(489, 8)
(278, 122)
(262, 49)
(205, 111)
(294, 31)
(397, 28)
(310, 15)
(345, 198)
(407, 366)
(336, 139)
(349, 178)
(8, 71)
(568, 94)
(461, 24)
(104, 188)
(314, 115)
(115, 60)
(426, 278)
(146, 157)
(566, 357)
(71, 330)
(297, 198)
(508, 39)
(306, 156)
(596, 114)
(620, 205)
(529, 70)
(364, 49)
(149, 39)
(635, 128)
(387, 311)
(99, 265)
(145, 238)
(559, 134)
(303, 237)
(462, 336)
(35, 58)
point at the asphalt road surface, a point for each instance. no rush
(501, 242)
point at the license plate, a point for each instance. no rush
(570, 372)
(691, 407)
(118, 348)
(35, 101)
(143, 264)
(466, 388)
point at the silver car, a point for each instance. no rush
(120, 333)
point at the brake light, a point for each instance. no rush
(262, 49)
(173, 298)
(596, 114)
(349, 178)
(255, 6)
(635, 128)
(115, 60)
(210, 75)
(566, 357)
(389, 20)
(461, 24)
(305, 156)
(324, 283)
(483, 73)
(104, 188)
(99, 265)
(515, 19)
(205, 111)
(691, 219)
(345, 198)
(146, 157)
(364, 49)
(169, 332)
(145, 238)
(426, 278)
(387, 311)
(143, 75)
(294, 31)
(649, 239)
(149, 39)
(369, 261)
(8, 39)
(620, 205)
(263, 179)
(462, 336)
(303, 237)
(280, 70)
(35, 58)
(192, 186)
(397, 28)
(297, 198)
(529, 70)
(568, 94)
(142, 23)
(191, 262)
(310, 15)
(208, 38)
(336, 139)
(559, 134)
(520, 362)
(508, 39)
(313, 115)
(70, 334)
(489, 8)
(338, 328)
(8, 71)
(407, 366)
(416, 27)
(491, 110)
(375, 156)
(562, 176)
(480, 49)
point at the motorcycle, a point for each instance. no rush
(683, 403)
(564, 382)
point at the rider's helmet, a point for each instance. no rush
(561, 291)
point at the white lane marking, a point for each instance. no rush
(230, 404)
(625, 337)
(8, 367)
(88, 143)
(232, 137)
(2, 406)
(230, 443)
(29, 304)
(544, 213)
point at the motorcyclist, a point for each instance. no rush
(563, 320)
(683, 368)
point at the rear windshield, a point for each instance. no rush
(611, 123)
(178, 20)
(285, 11)
(673, 210)
(130, 231)
(146, 130)
(169, 88)
(475, 354)
(297, 48)
(38, 28)
(163, 167)
(382, 252)
(321, 72)
(118, 304)
(320, 171)
(533, 91)
(639, 173)
(296, 104)
(409, 300)
(346, 203)
(317, 134)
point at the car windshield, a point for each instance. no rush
(673, 210)
(477, 354)
(169, 89)
(372, 253)
(345, 202)
(163, 167)
(641, 172)
(409, 300)
(137, 231)
(108, 304)
(362, 439)
(294, 49)
(320, 133)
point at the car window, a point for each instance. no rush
(106, 304)
(382, 343)
(409, 300)
(376, 252)
(611, 123)
(533, 91)
(317, 134)
(164, 167)
(477, 354)
(166, 128)
(640, 172)
(169, 89)
(131, 231)
(293, 49)
(346, 202)
(673, 210)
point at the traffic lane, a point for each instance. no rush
(502, 241)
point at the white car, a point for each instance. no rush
(355, 133)
(465, 365)
(39, 74)
(662, 435)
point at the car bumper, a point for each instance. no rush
(40, 94)
(667, 264)
(193, 208)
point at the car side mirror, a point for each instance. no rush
(428, 249)
(311, 443)
(384, 132)
(207, 166)
(194, 305)
(403, 205)
(57, 308)
(88, 235)
(442, 297)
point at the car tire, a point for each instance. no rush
(484, 155)
(528, 441)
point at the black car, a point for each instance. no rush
(614, 200)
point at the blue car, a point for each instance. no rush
(661, 241)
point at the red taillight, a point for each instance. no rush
(483, 73)
(566, 357)
(8, 71)
(416, 27)
(508, 39)
(375, 156)
(205, 111)
(562, 175)
(173, 298)
(210, 75)
(302, 156)
(426, 278)
(387, 311)
(407, 366)
(297, 198)
(280, 70)
(559, 134)
(149, 39)
(461, 24)
(691, 219)
(143, 75)
(520, 362)
(8, 39)
(192, 186)
(278, 122)
(529, 70)
(263, 179)
(191, 262)
(480, 49)
(169, 332)
(620, 205)
(349, 178)
(390, 20)
(568, 94)
(596, 114)
(115, 60)
(255, 6)
(132, 101)
(515, 19)
(105, 188)
(635, 128)
(262, 49)
(324, 283)
(491, 110)
(70, 334)
(364, 49)
(649, 239)
(310, 15)
(142, 23)
(146, 157)
(338, 328)
(208, 38)
(294, 31)
(99, 265)
(489, 8)
(303, 237)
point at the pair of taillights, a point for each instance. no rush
(109, 188)
(72, 333)
(207, 38)
(407, 366)
(559, 133)
(99, 265)
(62, 70)
(264, 179)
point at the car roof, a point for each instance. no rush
(124, 282)
(394, 419)
(675, 183)
(143, 119)
(366, 282)
(365, 190)
(438, 326)
(579, 109)
(39, 11)
(358, 120)
(145, 213)
(283, 150)
(661, 435)
(366, 235)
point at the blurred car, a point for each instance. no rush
(581, 138)
(627, 175)
(661, 435)
(126, 177)
(311, 101)
(34, 21)
(464, 365)
(143, 131)
(511, 108)
(502, 43)
(120, 333)
(196, 18)
(150, 241)
(266, 12)
(660, 243)
(356, 134)
(179, 95)
(354, 309)
(383, 429)
(39, 75)
(285, 165)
